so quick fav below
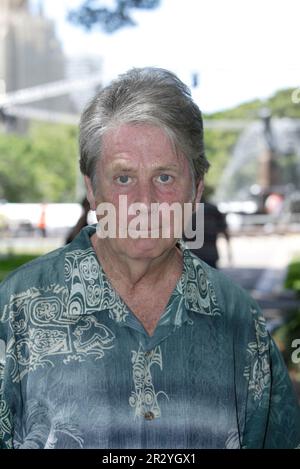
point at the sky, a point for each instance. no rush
(241, 49)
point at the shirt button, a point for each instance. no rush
(149, 415)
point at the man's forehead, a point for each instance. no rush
(131, 135)
(130, 145)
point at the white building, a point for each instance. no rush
(78, 67)
(30, 53)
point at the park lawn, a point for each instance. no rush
(11, 262)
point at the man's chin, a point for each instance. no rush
(140, 248)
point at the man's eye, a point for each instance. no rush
(164, 178)
(124, 179)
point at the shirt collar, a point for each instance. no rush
(199, 292)
(90, 290)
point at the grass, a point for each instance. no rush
(292, 281)
(286, 335)
(286, 338)
(12, 262)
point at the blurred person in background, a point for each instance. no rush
(42, 226)
(125, 342)
(214, 225)
(274, 203)
(82, 221)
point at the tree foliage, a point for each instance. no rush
(40, 166)
(93, 13)
(280, 104)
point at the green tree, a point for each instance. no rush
(92, 13)
(41, 166)
(280, 105)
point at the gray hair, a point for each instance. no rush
(150, 96)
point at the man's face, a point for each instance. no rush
(140, 162)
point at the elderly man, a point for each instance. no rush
(132, 341)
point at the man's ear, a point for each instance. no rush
(90, 193)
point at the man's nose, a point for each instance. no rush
(145, 194)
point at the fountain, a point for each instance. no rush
(266, 160)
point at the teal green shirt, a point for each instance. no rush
(78, 369)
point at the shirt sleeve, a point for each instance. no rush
(5, 413)
(272, 410)
(10, 394)
(283, 426)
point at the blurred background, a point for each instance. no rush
(241, 61)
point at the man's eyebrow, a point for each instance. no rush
(129, 168)
(122, 167)
(167, 167)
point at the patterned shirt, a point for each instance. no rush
(80, 371)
